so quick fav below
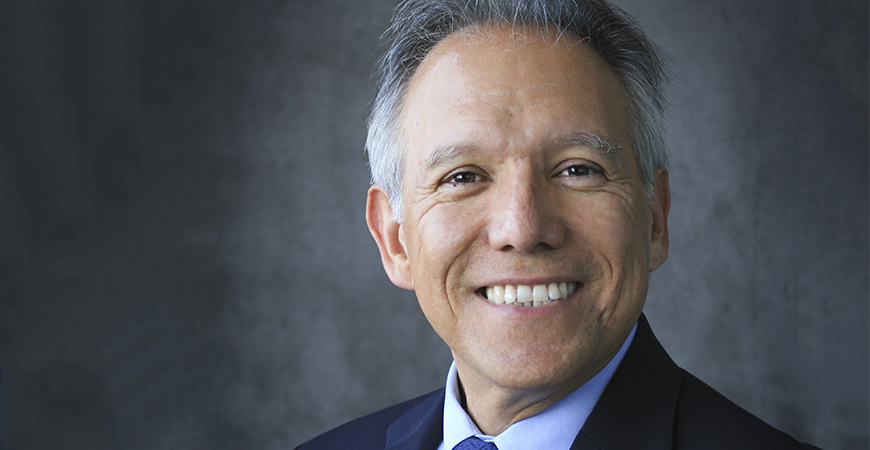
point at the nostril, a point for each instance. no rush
(540, 246)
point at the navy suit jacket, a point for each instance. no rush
(649, 404)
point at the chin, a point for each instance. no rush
(544, 370)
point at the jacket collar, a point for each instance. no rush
(638, 406)
(421, 427)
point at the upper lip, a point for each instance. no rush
(531, 281)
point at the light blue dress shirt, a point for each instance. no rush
(554, 428)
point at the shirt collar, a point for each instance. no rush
(555, 427)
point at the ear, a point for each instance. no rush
(659, 207)
(388, 235)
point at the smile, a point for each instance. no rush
(523, 295)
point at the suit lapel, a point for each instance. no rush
(421, 428)
(638, 405)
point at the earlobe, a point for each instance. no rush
(659, 206)
(388, 235)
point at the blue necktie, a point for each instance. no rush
(474, 443)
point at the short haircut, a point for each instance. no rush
(419, 25)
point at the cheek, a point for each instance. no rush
(618, 233)
(438, 253)
(632, 219)
(448, 230)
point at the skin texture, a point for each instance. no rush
(503, 184)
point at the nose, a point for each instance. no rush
(525, 218)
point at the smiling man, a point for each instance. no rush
(521, 191)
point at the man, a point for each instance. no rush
(521, 190)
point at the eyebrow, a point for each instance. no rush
(607, 147)
(594, 141)
(604, 145)
(441, 154)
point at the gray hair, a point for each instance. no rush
(419, 25)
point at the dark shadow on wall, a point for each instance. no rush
(114, 194)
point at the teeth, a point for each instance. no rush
(524, 294)
(554, 292)
(540, 293)
(498, 293)
(510, 294)
(537, 295)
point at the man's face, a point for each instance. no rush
(507, 187)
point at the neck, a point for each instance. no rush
(494, 404)
(494, 408)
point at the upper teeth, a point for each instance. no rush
(537, 295)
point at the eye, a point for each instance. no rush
(580, 174)
(580, 170)
(462, 178)
(577, 171)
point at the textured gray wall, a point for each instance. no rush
(184, 261)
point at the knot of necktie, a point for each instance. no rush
(474, 443)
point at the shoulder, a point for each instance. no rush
(369, 431)
(656, 396)
(706, 419)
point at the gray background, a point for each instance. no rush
(184, 261)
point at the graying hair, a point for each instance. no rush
(419, 25)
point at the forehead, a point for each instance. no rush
(490, 86)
